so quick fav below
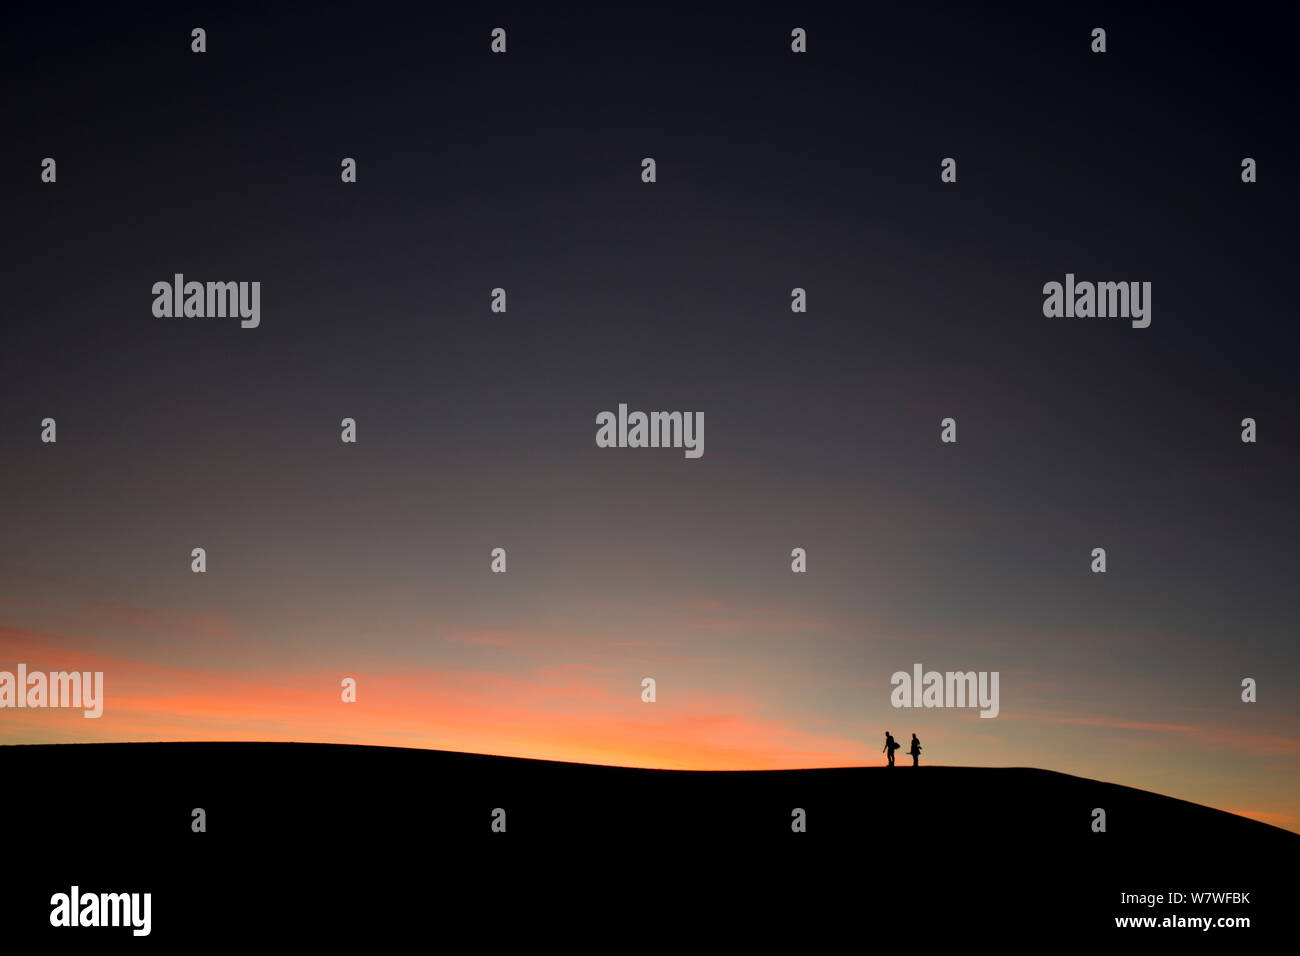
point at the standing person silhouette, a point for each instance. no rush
(890, 746)
(915, 751)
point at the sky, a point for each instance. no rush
(476, 430)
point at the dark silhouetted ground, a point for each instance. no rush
(310, 843)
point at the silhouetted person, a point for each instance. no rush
(890, 746)
(915, 751)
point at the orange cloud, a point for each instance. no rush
(1285, 820)
(566, 713)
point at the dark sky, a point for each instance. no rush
(476, 430)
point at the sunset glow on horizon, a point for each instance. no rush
(586, 711)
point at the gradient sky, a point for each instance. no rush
(477, 430)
